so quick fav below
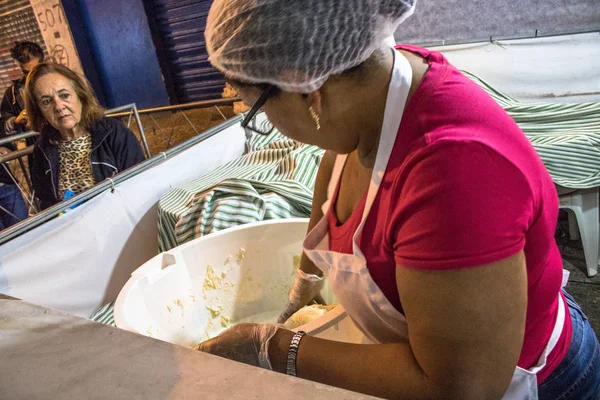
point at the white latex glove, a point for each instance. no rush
(247, 343)
(306, 288)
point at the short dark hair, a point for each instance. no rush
(23, 52)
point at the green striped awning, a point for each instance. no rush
(275, 179)
(565, 135)
(105, 315)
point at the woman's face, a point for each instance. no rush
(56, 98)
(290, 114)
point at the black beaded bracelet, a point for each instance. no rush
(293, 353)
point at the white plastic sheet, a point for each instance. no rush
(559, 68)
(80, 261)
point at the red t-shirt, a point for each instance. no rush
(463, 188)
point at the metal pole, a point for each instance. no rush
(219, 110)
(196, 104)
(111, 111)
(160, 130)
(141, 128)
(16, 154)
(18, 136)
(25, 174)
(132, 108)
(189, 122)
(493, 39)
(129, 118)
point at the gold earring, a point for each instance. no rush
(315, 117)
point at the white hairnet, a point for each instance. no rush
(297, 44)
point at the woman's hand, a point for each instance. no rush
(307, 287)
(308, 284)
(4, 151)
(22, 117)
(247, 343)
(9, 125)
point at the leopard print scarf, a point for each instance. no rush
(75, 165)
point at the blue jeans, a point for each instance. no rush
(11, 201)
(577, 377)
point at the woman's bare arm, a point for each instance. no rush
(466, 329)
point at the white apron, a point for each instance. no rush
(348, 275)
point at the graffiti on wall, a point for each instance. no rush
(57, 35)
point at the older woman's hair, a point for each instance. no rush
(91, 111)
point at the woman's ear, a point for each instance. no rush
(313, 99)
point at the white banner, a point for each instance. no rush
(80, 261)
(552, 69)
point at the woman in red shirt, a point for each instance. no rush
(433, 217)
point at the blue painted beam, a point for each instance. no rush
(121, 44)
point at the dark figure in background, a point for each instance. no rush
(78, 146)
(13, 118)
(12, 206)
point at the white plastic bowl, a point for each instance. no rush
(195, 291)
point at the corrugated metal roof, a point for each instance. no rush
(181, 24)
(18, 23)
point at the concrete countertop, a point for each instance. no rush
(49, 354)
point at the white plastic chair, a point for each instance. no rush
(584, 205)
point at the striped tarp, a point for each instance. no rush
(105, 315)
(565, 135)
(275, 179)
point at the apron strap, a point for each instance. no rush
(336, 174)
(554, 337)
(394, 110)
(400, 82)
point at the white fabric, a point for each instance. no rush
(348, 274)
(390, 41)
(559, 68)
(296, 45)
(80, 261)
(306, 287)
(524, 382)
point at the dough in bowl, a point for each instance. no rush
(307, 314)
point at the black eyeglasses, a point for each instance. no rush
(249, 121)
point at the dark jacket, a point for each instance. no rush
(6, 175)
(12, 105)
(114, 149)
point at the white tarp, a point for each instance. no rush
(80, 261)
(559, 68)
